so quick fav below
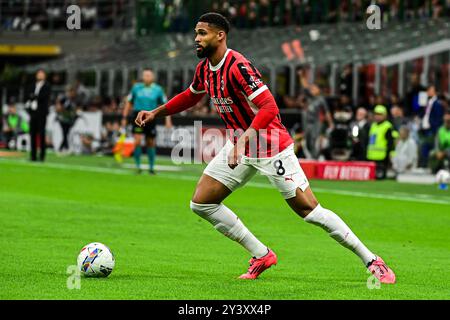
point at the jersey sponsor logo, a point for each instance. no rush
(223, 105)
(222, 101)
(224, 109)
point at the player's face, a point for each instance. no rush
(206, 39)
(148, 77)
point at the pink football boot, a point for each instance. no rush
(381, 271)
(257, 266)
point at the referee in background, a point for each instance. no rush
(146, 95)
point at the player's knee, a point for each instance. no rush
(196, 199)
(202, 209)
(310, 207)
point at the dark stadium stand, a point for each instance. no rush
(341, 43)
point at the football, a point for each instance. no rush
(95, 260)
(443, 176)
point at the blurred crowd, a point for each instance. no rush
(177, 15)
(262, 13)
(35, 15)
(398, 134)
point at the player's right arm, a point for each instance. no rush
(180, 102)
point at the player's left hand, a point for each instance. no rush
(238, 151)
(235, 155)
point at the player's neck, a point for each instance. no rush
(218, 55)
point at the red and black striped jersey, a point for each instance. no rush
(232, 85)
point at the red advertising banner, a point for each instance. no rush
(337, 170)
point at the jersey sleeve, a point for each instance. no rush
(131, 95)
(198, 83)
(162, 96)
(248, 78)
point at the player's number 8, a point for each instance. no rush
(279, 166)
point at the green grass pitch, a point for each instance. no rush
(163, 251)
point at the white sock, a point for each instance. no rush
(225, 221)
(339, 231)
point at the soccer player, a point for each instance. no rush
(146, 95)
(245, 104)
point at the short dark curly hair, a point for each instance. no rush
(217, 20)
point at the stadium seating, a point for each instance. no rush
(339, 43)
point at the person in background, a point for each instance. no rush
(313, 126)
(405, 157)
(66, 110)
(145, 95)
(346, 81)
(381, 141)
(13, 125)
(397, 117)
(86, 144)
(37, 106)
(440, 156)
(360, 133)
(431, 120)
(412, 97)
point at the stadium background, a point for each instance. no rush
(329, 40)
(296, 45)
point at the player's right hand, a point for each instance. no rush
(144, 117)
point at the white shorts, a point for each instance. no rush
(283, 171)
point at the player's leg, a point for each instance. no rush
(207, 203)
(305, 204)
(137, 150)
(285, 173)
(217, 183)
(150, 135)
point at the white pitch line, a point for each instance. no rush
(88, 168)
(421, 198)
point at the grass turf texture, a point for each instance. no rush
(163, 251)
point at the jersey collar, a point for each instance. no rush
(220, 64)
